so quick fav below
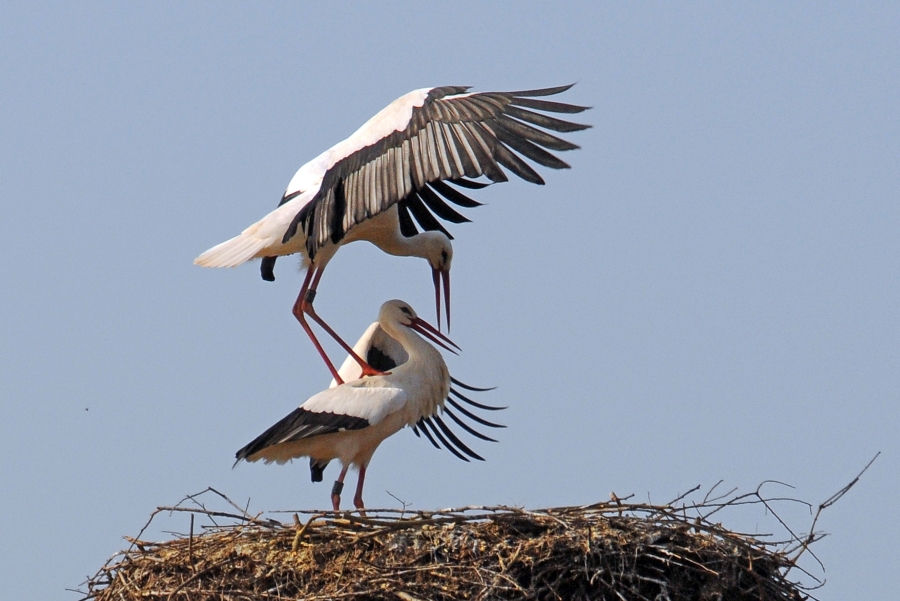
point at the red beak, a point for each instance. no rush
(437, 276)
(433, 334)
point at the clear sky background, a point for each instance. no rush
(711, 292)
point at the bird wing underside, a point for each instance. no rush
(300, 424)
(438, 431)
(451, 137)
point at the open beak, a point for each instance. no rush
(437, 276)
(433, 334)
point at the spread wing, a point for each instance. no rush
(436, 429)
(406, 153)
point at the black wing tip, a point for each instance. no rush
(467, 427)
(455, 440)
(552, 91)
(440, 437)
(472, 388)
(472, 416)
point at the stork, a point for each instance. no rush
(348, 421)
(394, 168)
(385, 353)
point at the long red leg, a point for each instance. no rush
(306, 306)
(336, 490)
(357, 498)
(299, 313)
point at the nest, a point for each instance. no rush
(613, 550)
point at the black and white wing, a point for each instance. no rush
(408, 152)
(332, 410)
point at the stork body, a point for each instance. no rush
(394, 169)
(348, 422)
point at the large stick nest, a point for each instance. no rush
(615, 551)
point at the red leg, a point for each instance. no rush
(305, 305)
(336, 490)
(299, 313)
(357, 498)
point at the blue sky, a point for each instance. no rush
(711, 292)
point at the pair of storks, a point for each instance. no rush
(401, 168)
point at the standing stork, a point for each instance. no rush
(349, 421)
(396, 165)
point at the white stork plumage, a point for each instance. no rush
(385, 353)
(349, 421)
(396, 165)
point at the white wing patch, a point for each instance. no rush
(359, 399)
(393, 117)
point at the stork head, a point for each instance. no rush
(397, 312)
(439, 252)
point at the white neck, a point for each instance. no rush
(425, 371)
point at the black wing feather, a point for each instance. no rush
(541, 91)
(300, 424)
(472, 416)
(550, 107)
(455, 196)
(472, 388)
(467, 183)
(440, 208)
(440, 437)
(467, 427)
(456, 441)
(473, 403)
(450, 134)
(423, 215)
(407, 227)
(424, 428)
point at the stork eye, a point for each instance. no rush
(406, 311)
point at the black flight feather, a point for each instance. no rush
(424, 216)
(424, 428)
(467, 183)
(473, 403)
(440, 208)
(472, 388)
(456, 441)
(472, 416)
(437, 433)
(467, 427)
(455, 196)
(407, 227)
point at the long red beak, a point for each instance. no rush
(437, 276)
(433, 334)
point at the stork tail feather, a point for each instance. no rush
(231, 253)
